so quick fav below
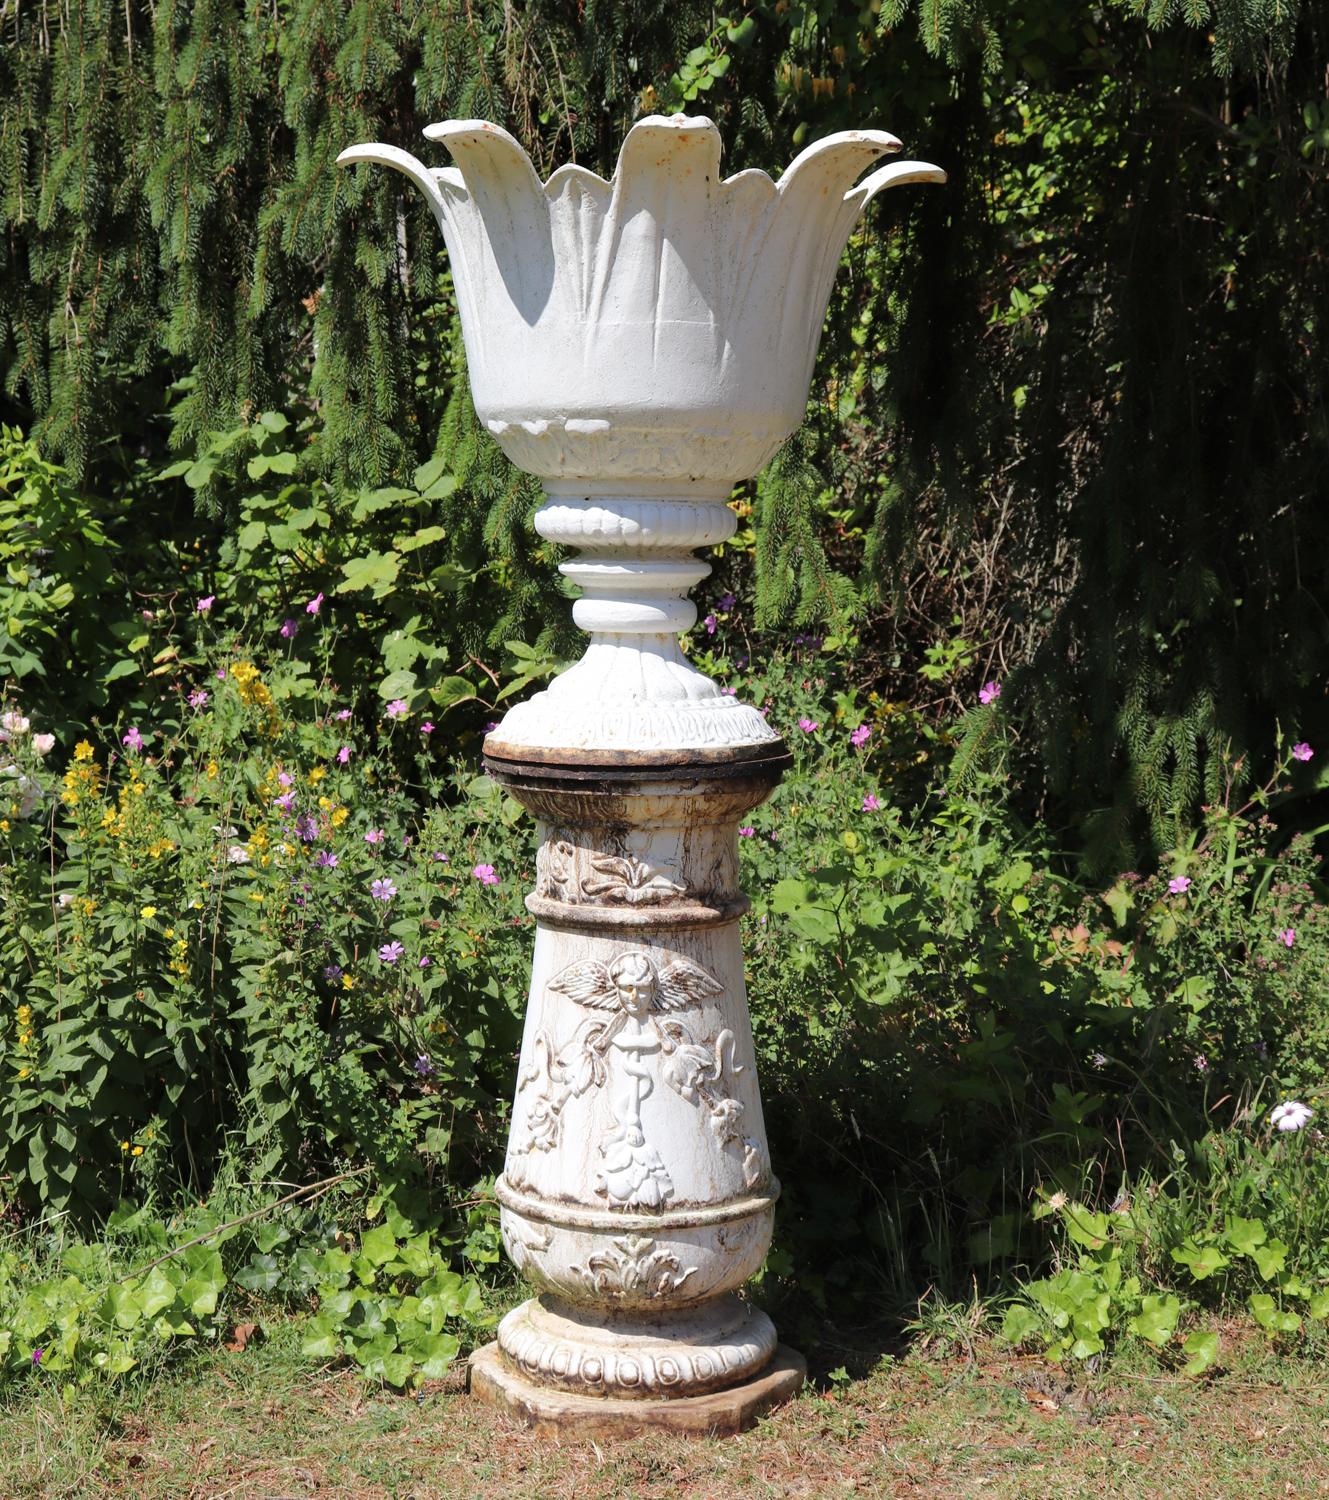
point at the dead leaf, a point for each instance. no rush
(241, 1334)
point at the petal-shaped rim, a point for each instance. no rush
(840, 156)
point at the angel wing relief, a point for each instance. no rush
(632, 1037)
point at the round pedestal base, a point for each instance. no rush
(556, 1413)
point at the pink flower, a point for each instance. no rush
(289, 629)
(133, 740)
(327, 859)
(382, 890)
(808, 725)
(1302, 751)
(485, 874)
(389, 953)
(426, 727)
(344, 755)
(220, 674)
(1290, 1115)
(710, 622)
(746, 833)
(374, 836)
(286, 778)
(198, 698)
(397, 709)
(728, 692)
(1178, 884)
(286, 801)
(859, 738)
(206, 603)
(314, 605)
(43, 744)
(871, 803)
(1287, 936)
(989, 692)
(342, 715)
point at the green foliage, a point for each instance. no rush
(386, 1295)
(239, 921)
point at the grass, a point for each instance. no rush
(260, 1425)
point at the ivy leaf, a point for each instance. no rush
(1156, 1321)
(379, 1245)
(1201, 1260)
(1203, 1351)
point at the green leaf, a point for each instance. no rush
(379, 1245)
(434, 1352)
(1201, 1260)
(1156, 1321)
(321, 1340)
(1270, 1316)
(1318, 1306)
(1202, 1348)
(1245, 1235)
(1020, 1323)
(1270, 1259)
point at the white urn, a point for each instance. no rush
(641, 345)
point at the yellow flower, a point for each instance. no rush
(348, 981)
(83, 751)
(23, 1072)
(124, 1145)
(317, 775)
(88, 905)
(24, 1011)
(170, 932)
(137, 1151)
(148, 912)
(212, 770)
(339, 816)
(325, 803)
(256, 895)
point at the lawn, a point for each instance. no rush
(258, 1425)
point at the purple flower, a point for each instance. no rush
(485, 874)
(285, 778)
(1302, 751)
(1201, 1063)
(859, 738)
(728, 692)
(425, 961)
(871, 803)
(726, 602)
(37, 1357)
(746, 833)
(289, 629)
(342, 715)
(306, 828)
(332, 973)
(382, 890)
(491, 726)
(206, 603)
(989, 692)
(314, 605)
(286, 801)
(374, 836)
(198, 698)
(344, 755)
(710, 622)
(327, 859)
(389, 953)
(133, 740)
(397, 709)
(423, 1066)
(1178, 884)
(426, 727)
(441, 858)
(1287, 936)
(808, 725)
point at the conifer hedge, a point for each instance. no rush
(1071, 409)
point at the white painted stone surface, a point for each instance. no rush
(641, 345)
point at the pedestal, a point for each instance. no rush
(637, 1195)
